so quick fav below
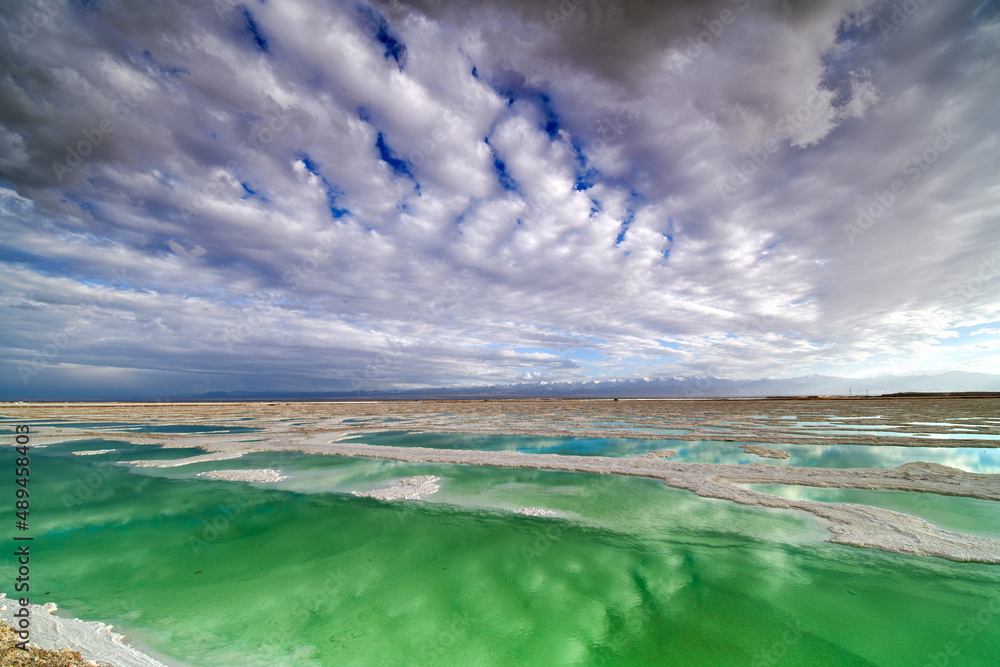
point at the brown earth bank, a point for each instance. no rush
(11, 656)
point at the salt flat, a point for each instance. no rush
(321, 427)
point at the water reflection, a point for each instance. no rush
(965, 515)
(971, 459)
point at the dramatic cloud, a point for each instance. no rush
(310, 196)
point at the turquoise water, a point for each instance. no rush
(520, 443)
(971, 459)
(809, 429)
(929, 436)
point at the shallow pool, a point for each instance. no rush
(971, 459)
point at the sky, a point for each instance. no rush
(328, 195)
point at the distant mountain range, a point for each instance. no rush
(674, 387)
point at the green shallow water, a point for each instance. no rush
(220, 573)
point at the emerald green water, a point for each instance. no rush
(221, 573)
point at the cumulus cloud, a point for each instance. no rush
(335, 196)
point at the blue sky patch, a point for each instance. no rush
(630, 215)
(395, 50)
(251, 26)
(333, 193)
(551, 125)
(399, 167)
(506, 182)
(505, 179)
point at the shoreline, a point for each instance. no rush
(94, 640)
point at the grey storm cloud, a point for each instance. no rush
(334, 196)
